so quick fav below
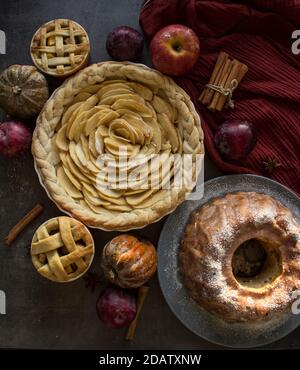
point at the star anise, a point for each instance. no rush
(270, 164)
(92, 280)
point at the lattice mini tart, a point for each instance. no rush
(60, 47)
(62, 249)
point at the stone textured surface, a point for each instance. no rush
(41, 314)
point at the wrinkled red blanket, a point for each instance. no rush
(259, 34)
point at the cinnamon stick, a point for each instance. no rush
(234, 72)
(20, 226)
(225, 73)
(237, 73)
(207, 93)
(244, 69)
(217, 82)
(143, 291)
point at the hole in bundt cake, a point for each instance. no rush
(248, 260)
(256, 263)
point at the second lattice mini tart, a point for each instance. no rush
(60, 47)
(62, 249)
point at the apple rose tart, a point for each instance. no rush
(109, 144)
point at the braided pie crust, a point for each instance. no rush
(104, 107)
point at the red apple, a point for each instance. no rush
(124, 43)
(116, 307)
(175, 49)
(235, 140)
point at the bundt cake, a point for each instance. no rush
(240, 257)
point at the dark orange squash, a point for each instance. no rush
(23, 91)
(128, 262)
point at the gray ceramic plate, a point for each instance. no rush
(185, 308)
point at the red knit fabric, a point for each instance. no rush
(257, 33)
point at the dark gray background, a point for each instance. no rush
(42, 314)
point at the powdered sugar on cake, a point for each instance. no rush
(223, 222)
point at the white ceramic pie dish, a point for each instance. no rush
(101, 226)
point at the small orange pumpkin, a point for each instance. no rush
(128, 262)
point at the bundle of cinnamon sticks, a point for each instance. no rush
(225, 78)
